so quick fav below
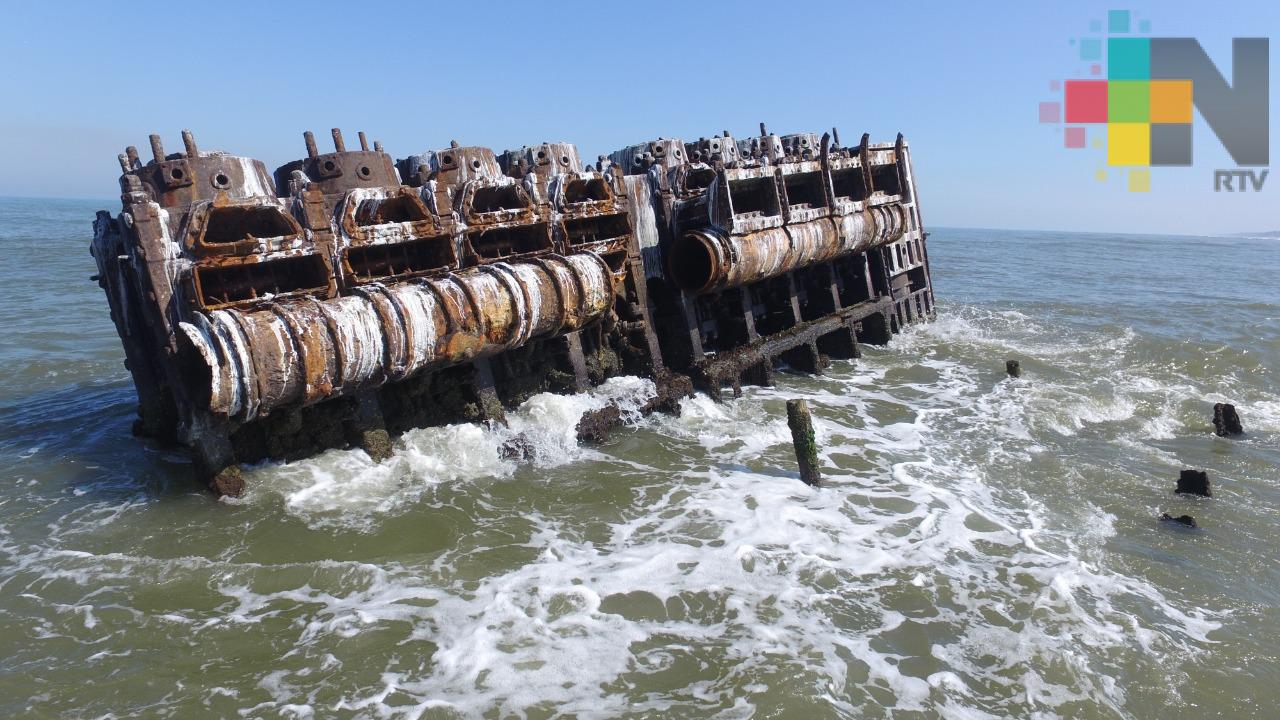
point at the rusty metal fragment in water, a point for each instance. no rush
(348, 295)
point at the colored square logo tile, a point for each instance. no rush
(1118, 21)
(1144, 26)
(1139, 181)
(1129, 58)
(1073, 137)
(1086, 101)
(1128, 144)
(1171, 101)
(1050, 112)
(1095, 69)
(1128, 101)
(1095, 26)
(1171, 145)
(1091, 48)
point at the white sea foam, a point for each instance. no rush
(348, 488)
(754, 568)
(934, 573)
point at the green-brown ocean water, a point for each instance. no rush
(984, 547)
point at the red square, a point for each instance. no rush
(1073, 137)
(1086, 101)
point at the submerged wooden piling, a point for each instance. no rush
(1180, 520)
(801, 424)
(1194, 482)
(1226, 421)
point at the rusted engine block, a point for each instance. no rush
(773, 249)
(346, 296)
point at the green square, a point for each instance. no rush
(1118, 21)
(1129, 58)
(1128, 101)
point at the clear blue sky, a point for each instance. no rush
(960, 79)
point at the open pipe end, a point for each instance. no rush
(692, 262)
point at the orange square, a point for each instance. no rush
(1171, 101)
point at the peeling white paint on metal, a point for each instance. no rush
(256, 183)
(515, 302)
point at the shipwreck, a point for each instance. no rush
(347, 296)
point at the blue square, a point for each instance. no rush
(1118, 21)
(1095, 26)
(1091, 48)
(1144, 26)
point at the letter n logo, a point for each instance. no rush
(1181, 73)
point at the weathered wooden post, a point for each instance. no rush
(1180, 520)
(1013, 367)
(1194, 482)
(1226, 421)
(801, 424)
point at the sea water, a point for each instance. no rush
(982, 547)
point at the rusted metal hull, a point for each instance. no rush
(347, 296)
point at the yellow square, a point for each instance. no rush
(1100, 176)
(1139, 181)
(1128, 144)
(1097, 142)
(1171, 101)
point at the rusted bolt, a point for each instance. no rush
(157, 148)
(189, 142)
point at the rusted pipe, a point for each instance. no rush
(310, 139)
(338, 144)
(304, 351)
(709, 259)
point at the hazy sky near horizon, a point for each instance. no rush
(962, 81)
